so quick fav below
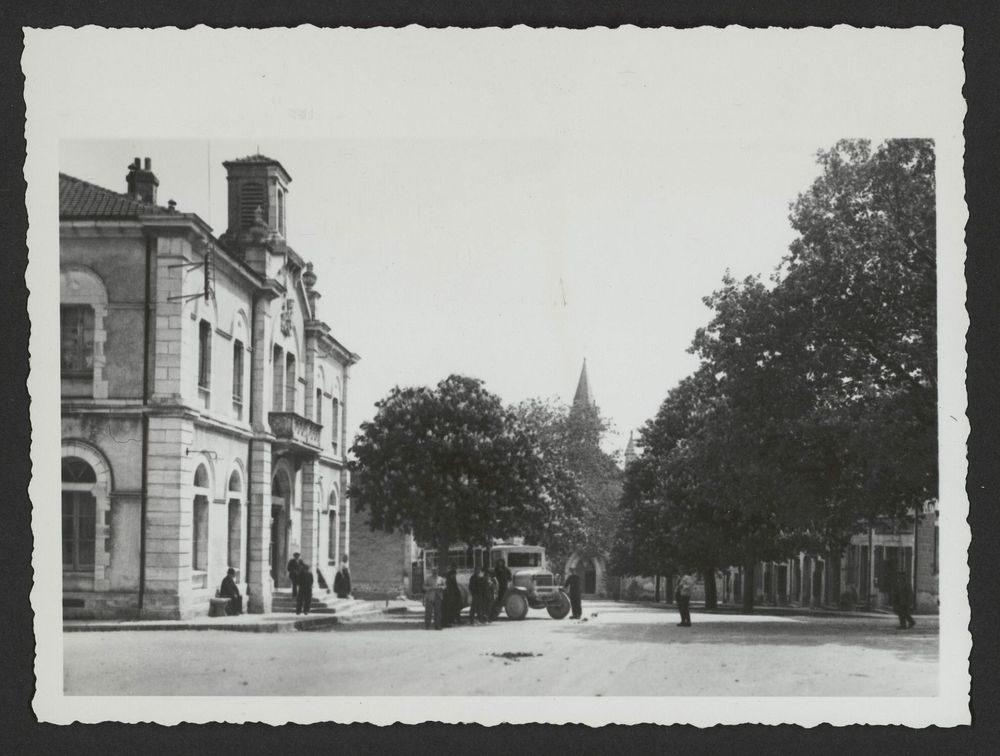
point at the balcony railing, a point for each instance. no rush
(300, 431)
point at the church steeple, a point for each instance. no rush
(630, 455)
(583, 396)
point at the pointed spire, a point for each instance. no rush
(630, 455)
(583, 388)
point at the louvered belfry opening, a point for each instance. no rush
(252, 197)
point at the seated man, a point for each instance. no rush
(230, 591)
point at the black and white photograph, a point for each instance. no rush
(613, 376)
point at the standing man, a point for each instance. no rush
(303, 601)
(573, 586)
(342, 580)
(902, 601)
(683, 596)
(476, 595)
(294, 568)
(433, 596)
(491, 594)
(502, 575)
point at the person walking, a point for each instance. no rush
(572, 585)
(294, 568)
(683, 597)
(902, 601)
(230, 591)
(503, 577)
(303, 601)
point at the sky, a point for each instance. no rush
(508, 260)
(502, 205)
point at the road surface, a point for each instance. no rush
(619, 650)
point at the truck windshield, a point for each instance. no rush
(523, 559)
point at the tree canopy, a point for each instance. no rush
(813, 411)
(448, 464)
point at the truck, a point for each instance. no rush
(532, 584)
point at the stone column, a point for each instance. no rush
(169, 519)
(259, 584)
(310, 480)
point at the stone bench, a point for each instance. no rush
(217, 607)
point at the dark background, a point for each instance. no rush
(21, 733)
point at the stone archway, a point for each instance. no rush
(591, 570)
(281, 503)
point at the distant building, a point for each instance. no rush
(203, 400)
(591, 566)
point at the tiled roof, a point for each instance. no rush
(81, 199)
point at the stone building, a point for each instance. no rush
(862, 576)
(203, 400)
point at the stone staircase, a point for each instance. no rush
(282, 602)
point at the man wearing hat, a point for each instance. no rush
(230, 591)
(294, 569)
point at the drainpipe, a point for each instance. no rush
(143, 499)
(248, 498)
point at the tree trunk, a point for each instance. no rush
(657, 599)
(711, 592)
(669, 587)
(749, 587)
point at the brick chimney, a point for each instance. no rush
(142, 182)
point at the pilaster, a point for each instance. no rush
(259, 584)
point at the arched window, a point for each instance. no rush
(335, 424)
(333, 516)
(199, 530)
(238, 378)
(290, 382)
(79, 515)
(83, 305)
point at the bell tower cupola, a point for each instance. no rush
(258, 192)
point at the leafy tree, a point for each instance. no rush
(814, 409)
(584, 482)
(448, 464)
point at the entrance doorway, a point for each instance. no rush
(589, 576)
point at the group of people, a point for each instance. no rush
(443, 601)
(301, 578)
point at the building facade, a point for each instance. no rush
(203, 400)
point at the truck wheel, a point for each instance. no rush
(516, 606)
(560, 610)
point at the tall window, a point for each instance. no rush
(281, 212)
(335, 424)
(238, 377)
(234, 534)
(79, 518)
(319, 406)
(277, 375)
(204, 354)
(199, 531)
(77, 340)
(289, 383)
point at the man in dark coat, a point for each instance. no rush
(294, 568)
(572, 586)
(230, 591)
(342, 580)
(477, 597)
(902, 601)
(303, 601)
(503, 577)
(452, 599)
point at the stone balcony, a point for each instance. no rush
(297, 434)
